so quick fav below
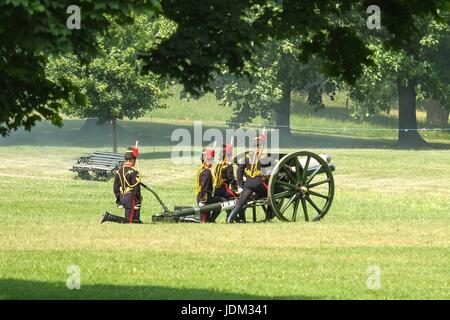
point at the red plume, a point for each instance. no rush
(210, 153)
(135, 152)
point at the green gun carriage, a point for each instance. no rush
(299, 184)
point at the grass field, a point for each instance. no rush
(391, 210)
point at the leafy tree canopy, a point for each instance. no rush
(425, 61)
(31, 30)
(228, 32)
(275, 73)
(112, 82)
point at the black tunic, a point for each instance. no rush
(245, 167)
(225, 181)
(205, 182)
(126, 182)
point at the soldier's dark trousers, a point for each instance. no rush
(252, 185)
(226, 193)
(212, 215)
(128, 201)
(132, 215)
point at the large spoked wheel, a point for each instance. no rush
(301, 180)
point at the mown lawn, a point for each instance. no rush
(391, 211)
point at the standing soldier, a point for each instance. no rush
(127, 190)
(205, 187)
(250, 178)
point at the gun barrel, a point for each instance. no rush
(175, 215)
(227, 205)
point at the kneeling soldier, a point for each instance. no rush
(205, 187)
(224, 175)
(250, 179)
(127, 190)
(225, 183)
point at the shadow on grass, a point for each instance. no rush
(13, 289)
(159, 135)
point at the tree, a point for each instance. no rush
(227, 33)
(437, 114)
(209, 36)
(437, 86)
(112, 82)
(31, 30)
(275, 74)
(253, 96)
(418, 70)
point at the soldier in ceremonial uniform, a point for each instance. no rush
(250, 178)
(225, 182)
(205, 187)
(127, 190)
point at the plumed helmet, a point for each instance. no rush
(208, 154)
(261, 138)
(131, 153)
(228, 148)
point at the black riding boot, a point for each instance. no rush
(239, 208)
(241, 216)
(110, 217)
(233, 213)
(214, 216)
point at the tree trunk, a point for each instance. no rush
(102, 133)
(114, 134)
(282, 111)
(437, 115)
(408, 135)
